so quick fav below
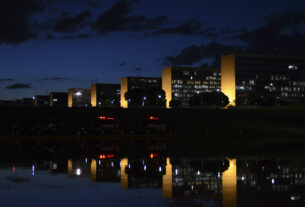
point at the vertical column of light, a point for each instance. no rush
(93, 95)
(93, 170)
(229, 185)
(51, 99)
(228, 81)
(124, 175)
(167, 180)
(50, 167)
(167, 84)
(36, 101)
(69, 168)
(124, 89)
(70, 94)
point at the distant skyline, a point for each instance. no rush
(53, 45)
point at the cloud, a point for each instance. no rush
(72, 24)
(16, 26)
(18, 86)
(194, 54)
(123, 63)
(116, 19)
(6, 79)
(190, 27)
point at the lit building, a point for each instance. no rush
(41, 100)
(80, 97)
(129, 83)
(260, 76)
(181, 83)
(58, 99)
(103, 94)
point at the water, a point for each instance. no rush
(153, 180)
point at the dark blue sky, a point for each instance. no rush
(53, 45)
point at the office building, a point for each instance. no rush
(103, 94)
(181, 83)
(79, 97)
(246, 77)
(41, 100)
(129, 83)
(58, 99)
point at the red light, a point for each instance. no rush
(263, 168)
(105, 118)
(279, 167)
(110, 155)
(13, 168)
(152, 155)
(153, 118)
(104, 156)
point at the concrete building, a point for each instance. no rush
(181, 83)
(129, 83)
(59, 99)
(79, 97)
(104, 94)
(41, 100)
(250, 76)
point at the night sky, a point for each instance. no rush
(53, 45)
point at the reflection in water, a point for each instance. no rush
(124, 175)
(229, 185)
(217, 181)
(168, 180)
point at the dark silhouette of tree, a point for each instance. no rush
(209, 99)
(150, 97)
(175, 103)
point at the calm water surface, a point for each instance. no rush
(153, 181)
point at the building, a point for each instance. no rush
(129, 83)
(103, 94)
(58, 99)
(181, 83)
(80, 97)
(41, 100)
(259, 76)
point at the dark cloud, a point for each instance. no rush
(72, 24)
(271, 35)
(196, 54)
(117, 19)
(123, 63)
(18, 86)
(190, 27)
(6, 79)
(54, 79)
(15, 21)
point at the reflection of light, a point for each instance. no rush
(295, 197)
(229, 185)
(219, 174)
(86, 160)
(112, 164)
(33, 169)
(144, 167)
(13, 168)
(272, 181)
(144, 98)
(198, 173)
(242, 178)
(99, 162)
(128, 165)
(176, 172)
(152, 155)
(54, 166)
(160, 169)
(78, 171)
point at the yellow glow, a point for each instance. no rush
(168, 180)
(228, 77)
(93, 95)
(70, 98)
(93, 170)
(69, 167)
(51, 99)
(229, 185)
(50, 167)
(167, 84)
(124, 175)
(124, 89)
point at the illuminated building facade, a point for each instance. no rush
(58, 99)
(103, 94)
(129, 83)
(181, 83)
(261, 76)
(41, 100)
(79, 97)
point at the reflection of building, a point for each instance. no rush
(80, 97)
(58, 99)
(167, 180)
(129, 83)
(252, 76)
(229, 185)
(181, 83)
(41, 100)
(124, 175)
(105, 94)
